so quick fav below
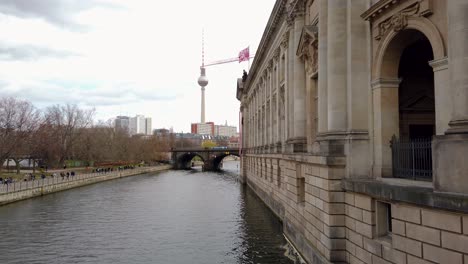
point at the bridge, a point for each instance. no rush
(211, 157)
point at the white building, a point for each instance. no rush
(140, 125)
(226, 131)
(148, 126)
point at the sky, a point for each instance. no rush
(129, 57)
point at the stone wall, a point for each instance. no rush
(419, 234)
(330, 225)
(77, 181)
(306, 194)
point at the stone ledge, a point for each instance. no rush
(418, 195)
(304, 158)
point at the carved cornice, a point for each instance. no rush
(378, 9)
(276, 18)
(296, 9)
(399, 20)
(386, 83)
(383, 6)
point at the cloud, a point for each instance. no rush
(30, 52)
(45, 93)
(57, 12)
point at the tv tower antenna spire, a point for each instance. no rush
(202, 80)
(203, 48)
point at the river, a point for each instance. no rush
(167, 217)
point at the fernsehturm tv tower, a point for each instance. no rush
(203, 81)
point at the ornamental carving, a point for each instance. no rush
(308, 49)
(295, 9)
(399, 21)
(276, 54)
(269, 66)
(282, 94)
(285, 40)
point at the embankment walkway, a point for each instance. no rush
(23, 190)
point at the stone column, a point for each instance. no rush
(458, 59)
(255, 119)
(299, 104)
(270, 140)
(277, 78)
(450, 151)
(441, 96)
(322, 67)
(309, 113)
(290, 85)
(358, 67)
(386, 123)
(337, 65)
(358, 158)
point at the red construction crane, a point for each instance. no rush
(225, 61)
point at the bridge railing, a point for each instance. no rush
(194, 149)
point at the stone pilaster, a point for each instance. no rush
(322, 66)
(299, 138)
(386, 123)
(290, 88)
(450, 150)
(277, 102)
(458, 64)
(358, 159)
(441, 97)
(337, 65)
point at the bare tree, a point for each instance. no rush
(18, 120)
(66, 124)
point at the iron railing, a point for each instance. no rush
(50, 181)
(412, 158)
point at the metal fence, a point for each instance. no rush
(49, 181)
(412, 159)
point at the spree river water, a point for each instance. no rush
(168, 217)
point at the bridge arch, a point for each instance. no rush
(216, 161)
(211, 157)
(184, 160)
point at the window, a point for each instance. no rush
(271, 171)
(300, 180)
(383, 218)
(278, 175)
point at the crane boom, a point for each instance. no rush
(225, 61)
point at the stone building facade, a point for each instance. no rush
(355, 128)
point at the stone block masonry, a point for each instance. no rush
(336, 225)
(39, 187)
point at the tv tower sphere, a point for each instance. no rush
(202, 80)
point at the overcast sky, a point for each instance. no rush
(128, 57)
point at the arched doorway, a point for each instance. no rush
(404, 105)
(416, 90)
(411, 148)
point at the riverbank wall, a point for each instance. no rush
(25, 190)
